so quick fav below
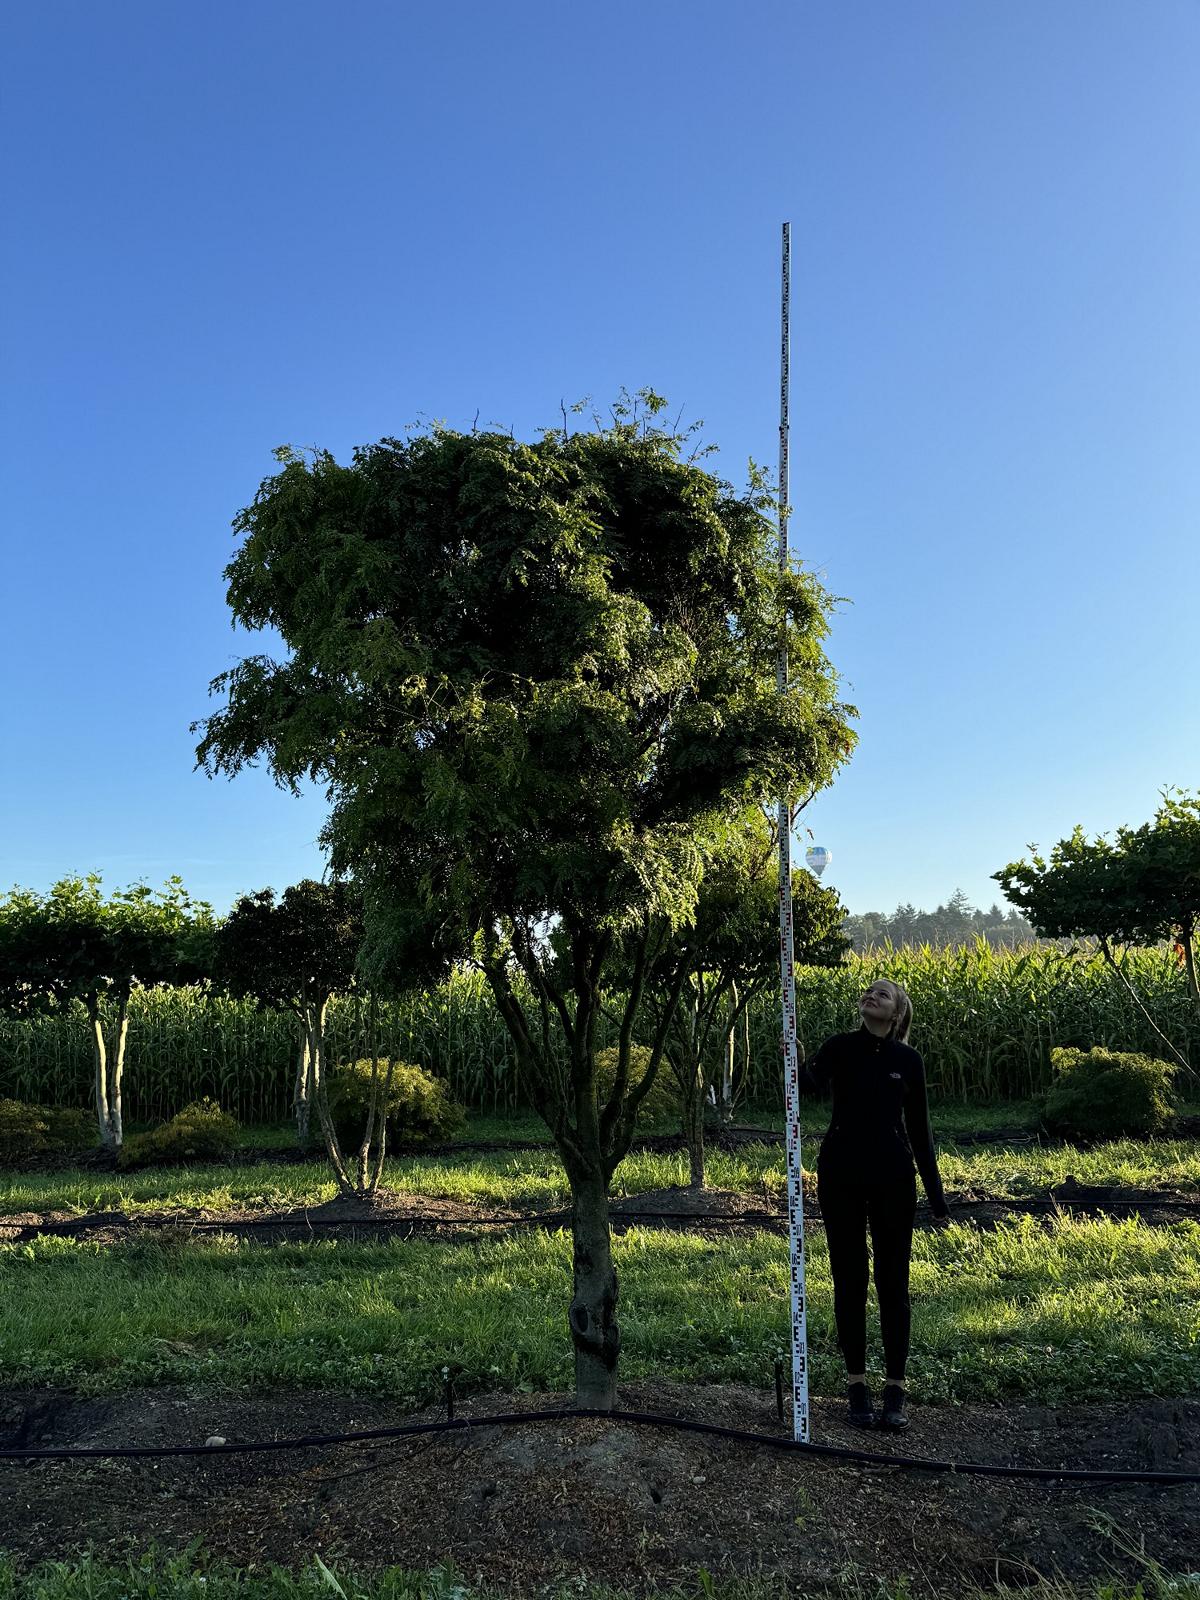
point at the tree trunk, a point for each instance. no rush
(302, 1100)
(314, 1028)
(593, 1313)
(695, 1149)
(693, 1096)
(725, 1106)
(117, 1057)
(100, 1054)
(1186, 935)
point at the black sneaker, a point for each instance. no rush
(893, 1417)
(862, 1413)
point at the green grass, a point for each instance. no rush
(525, 1127)
(534, 1178)
(1088, 1310)
(192, 1576)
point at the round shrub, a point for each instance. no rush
(419, 1108)
(1107, 1094)
(28, 1131)
(661, 1104)
(200, 1132)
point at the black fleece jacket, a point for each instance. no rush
(880, 1122)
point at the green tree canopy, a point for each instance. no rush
(537, 681)
(1140, 888)
(73, 944)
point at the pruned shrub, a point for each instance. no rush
(200, 1132)
(1107, 1094)
(662, 1102)
(419, 1108)
(28, 1131)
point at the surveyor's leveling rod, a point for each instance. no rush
(791, 1071)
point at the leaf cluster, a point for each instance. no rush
(535, 677)
(290, 953)
(1139, 888)
(73, 943)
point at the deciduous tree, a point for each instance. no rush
(1141, 888)
(538, 681)
(295, 955)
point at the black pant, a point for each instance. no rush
(848, 1209)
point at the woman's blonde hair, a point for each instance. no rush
(902, 1021)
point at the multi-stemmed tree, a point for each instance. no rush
(538, 683)
(295, 955)
(74, 945)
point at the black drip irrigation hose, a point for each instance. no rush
(648, 1419)
(1032, 1205)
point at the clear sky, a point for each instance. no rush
(236, 225)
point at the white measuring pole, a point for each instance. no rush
(791, 1070)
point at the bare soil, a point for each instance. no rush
(533, 1503)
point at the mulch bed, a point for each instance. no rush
(532, 1504)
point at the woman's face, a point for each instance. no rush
(878, 1003)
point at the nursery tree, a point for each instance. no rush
(538, 681)
(295, 955)
(1140, 889)
(73, 944)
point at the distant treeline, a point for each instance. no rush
(958, 922)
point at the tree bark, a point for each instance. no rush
(313, 1017)
(100, 1054)
(1186, 935)
(109, 1057)
(302, 1100)
(595, 1333)
(117, 1056)
(694, 1137)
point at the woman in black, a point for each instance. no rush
(865, 1181)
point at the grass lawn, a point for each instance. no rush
(193, 1577)
(525, 1179)
(1090, 1309)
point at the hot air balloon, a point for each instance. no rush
(818, 858)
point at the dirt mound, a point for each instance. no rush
(530, 1504)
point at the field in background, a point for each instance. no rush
(985, 1022)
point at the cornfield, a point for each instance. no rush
(984, 1020)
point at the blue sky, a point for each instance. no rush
(239, 225)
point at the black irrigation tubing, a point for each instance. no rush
(650, 1419)
(761, 1219)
